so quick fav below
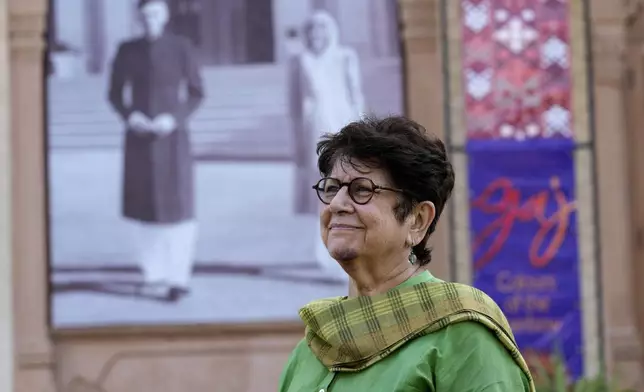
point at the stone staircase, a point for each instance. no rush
(243, 117)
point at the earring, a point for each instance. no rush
(412, 257)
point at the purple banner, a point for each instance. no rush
(524, 243)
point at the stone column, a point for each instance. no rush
(612, 145)
(33, 350)
(6, 286)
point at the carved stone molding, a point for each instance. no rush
(609, 57)
(421, 22)
(26, 34)
(35, 361)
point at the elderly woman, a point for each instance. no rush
(384, 185)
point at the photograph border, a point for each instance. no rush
(167, 329)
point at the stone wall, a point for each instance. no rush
(243, 359)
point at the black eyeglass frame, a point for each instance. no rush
(374, 188)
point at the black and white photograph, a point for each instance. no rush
(181, 152)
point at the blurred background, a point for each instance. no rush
(545, 95)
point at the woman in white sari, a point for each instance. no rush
(325, 94)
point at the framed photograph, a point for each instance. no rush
(181, 156)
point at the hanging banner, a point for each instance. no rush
(524, 242)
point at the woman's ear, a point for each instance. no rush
(409, 240)
(422, 217)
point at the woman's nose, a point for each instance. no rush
(341, 202)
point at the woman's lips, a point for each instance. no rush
(339, 226)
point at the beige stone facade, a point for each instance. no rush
(245, 359)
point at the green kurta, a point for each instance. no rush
(462, 357)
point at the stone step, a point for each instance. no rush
(203, 114)
(269, 140)
(243, 122)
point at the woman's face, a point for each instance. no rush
(351, 230)
(317, 35)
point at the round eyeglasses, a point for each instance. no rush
(361, 190)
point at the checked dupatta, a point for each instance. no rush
(351, 334)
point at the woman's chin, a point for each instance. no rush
(343, 253)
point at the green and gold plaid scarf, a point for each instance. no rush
(351, 334)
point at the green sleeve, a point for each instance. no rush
(290, 368)
(469, 358)
(284, 377)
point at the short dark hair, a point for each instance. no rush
(415, 160)
(142, 3)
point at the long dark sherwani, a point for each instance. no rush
(158, 179)
(158, 169)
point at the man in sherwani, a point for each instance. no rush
(158, 181)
